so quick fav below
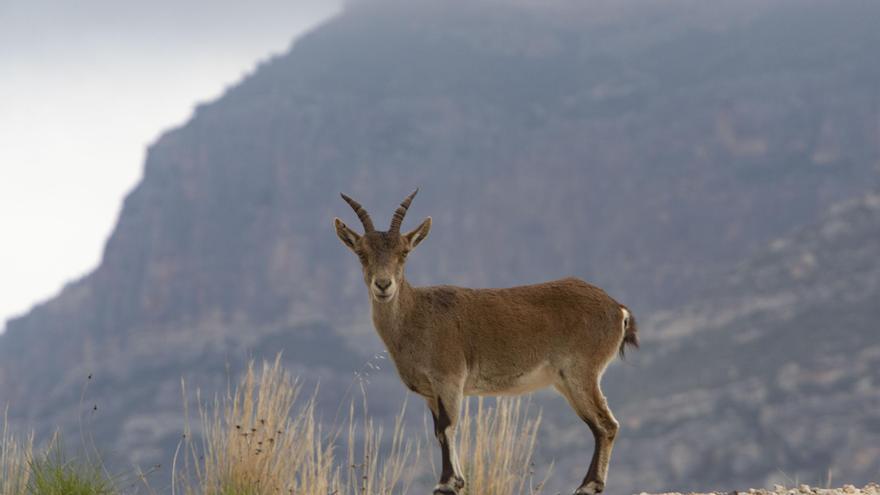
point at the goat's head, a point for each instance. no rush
(382, 254)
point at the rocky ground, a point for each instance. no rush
(869, 489)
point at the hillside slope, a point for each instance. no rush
(772, 377)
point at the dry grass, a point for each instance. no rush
(373, 474)
(496, 446)
(15, 455)
(252, 445)
(258, 441)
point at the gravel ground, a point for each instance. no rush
(869, 489)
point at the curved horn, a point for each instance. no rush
(397, 219)
(361, 213)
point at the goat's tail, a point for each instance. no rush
(630, 331)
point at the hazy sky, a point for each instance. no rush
(84, 87)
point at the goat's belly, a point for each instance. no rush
(481, 383)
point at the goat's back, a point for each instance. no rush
(516, 329)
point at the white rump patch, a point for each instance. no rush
(625, 322)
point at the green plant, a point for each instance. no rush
(53, 473)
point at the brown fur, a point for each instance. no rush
(447, 342)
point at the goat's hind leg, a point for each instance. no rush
(586, 398)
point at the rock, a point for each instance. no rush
(869, 489)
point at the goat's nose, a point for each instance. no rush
(382, 283)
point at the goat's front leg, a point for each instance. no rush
(445, 410)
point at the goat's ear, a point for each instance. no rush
(419, 234)
(346, 235)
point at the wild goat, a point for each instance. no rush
(447, 342)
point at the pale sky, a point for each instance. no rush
(85, 86)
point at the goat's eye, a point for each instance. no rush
(363, 257)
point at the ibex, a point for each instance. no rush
(448, 342)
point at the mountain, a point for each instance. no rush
(648, 147)
(773, 376)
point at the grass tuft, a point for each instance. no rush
(53, 473)
(14, 456)
(259, 441)
(496, 446)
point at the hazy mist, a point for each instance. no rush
(84, 88)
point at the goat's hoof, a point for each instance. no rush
(451, 487)
(458, 482)
(590, 488)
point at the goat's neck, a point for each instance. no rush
(389, 318)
